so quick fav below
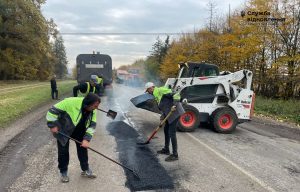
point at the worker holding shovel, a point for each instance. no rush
(74, 117)
(167, 102)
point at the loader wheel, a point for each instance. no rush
(190, 120)
(224, 120)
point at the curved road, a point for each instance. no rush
(258, 156)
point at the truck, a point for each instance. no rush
(94, 64)
(121, 76)
(221, 99)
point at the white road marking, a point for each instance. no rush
(261, 183)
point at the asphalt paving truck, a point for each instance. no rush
(94, 64)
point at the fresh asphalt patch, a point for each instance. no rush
(141, 159)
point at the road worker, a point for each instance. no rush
(54, 92)
(87, 87)
(99, 80)
(74, 117)
(166, 99)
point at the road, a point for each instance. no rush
(259, 156)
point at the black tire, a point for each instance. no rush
(224, 120)
(190, 120)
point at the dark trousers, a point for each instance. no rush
(63, 157)
(170, 135)
(54, 92)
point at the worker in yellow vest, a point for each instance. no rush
(87, 87)
(166, 99)
(99, 80)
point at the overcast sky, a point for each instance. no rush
(120, 16)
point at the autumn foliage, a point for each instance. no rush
(269, 46)
(30, 46)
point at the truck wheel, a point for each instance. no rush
(224, 120)
(190, 120)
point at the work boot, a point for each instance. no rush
(172, 158)
(89, 174)
(64, 177)
(164, 151)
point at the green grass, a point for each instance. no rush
(286, 110)
(17, 103)
(11, 84)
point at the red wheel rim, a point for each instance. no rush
(225, 121)
(188, 119)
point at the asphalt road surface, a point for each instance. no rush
(259, 156)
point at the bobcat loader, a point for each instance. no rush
(220, 99)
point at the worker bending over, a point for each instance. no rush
(87, 87)
(74, 117)
(166, 99)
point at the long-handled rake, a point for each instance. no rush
(158, 127)
(131, 170)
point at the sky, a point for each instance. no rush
(126, 30)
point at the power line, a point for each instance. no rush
(116, 33)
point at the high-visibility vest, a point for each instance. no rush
(100, 80)
(72, 106)
(159, 92)
(87, 90)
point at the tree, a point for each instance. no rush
(60, 67)
(212, 9)
(25, 49)
(154, 61)
(270, 47)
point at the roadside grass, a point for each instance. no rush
(11, 84)
(17, 103)
(282, 110)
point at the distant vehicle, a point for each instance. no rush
(134, 78)
(121, 76)
(130, 77)
(94, 64)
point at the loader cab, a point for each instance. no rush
(191, 69)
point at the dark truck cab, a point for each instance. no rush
(94, 64)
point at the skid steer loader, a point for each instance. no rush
(222, 99)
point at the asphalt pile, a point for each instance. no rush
(152, 174)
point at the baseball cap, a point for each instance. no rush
(148, 85)
(94, 78)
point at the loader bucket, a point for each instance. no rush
(146, 101)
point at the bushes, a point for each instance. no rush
(282, 109)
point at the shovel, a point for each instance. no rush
(116, 162)
(158, 127)
(110, 113)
